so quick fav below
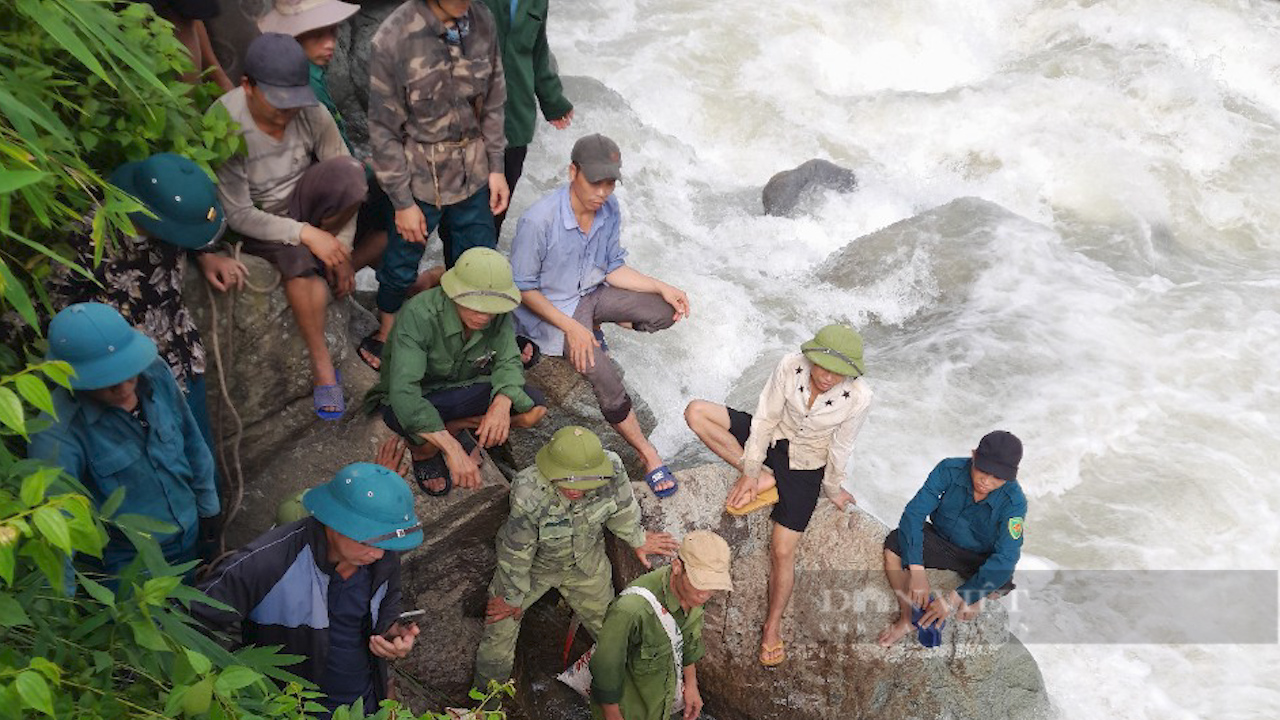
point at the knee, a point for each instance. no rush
(695, 414)
(782, 555)
(615, 414)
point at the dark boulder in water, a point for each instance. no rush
(785, 193)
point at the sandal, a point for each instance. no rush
(658, 475)
(764, 498)
(433, 468)
(772, 655)
(329, 396)
(523, 342)
(370, 346)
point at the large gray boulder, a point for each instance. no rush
(834, 667)
(787, 192)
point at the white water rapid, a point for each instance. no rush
(1131, 336)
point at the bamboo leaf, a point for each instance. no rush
(11, 612)
(11, 411)
(53, 526)
(11, 180)
(17, 296)
(65, 36)
(34, 391)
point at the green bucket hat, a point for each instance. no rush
(180, 195)
(481, 281)
(574, 459)
(369, 504)
(837, 348)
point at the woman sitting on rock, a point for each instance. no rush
(795, 446)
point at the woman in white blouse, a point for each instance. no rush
(793, 449)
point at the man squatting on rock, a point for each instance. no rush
(554, 538)
(569, 264)
(978, 509)
(792, 450)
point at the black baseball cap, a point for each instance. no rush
(598, 158)
(279, 67)
(998, 454)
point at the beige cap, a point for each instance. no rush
(706, 560)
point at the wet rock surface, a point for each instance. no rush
(787, 192)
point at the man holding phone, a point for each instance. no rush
(327, 587)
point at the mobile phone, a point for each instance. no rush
(406, 619)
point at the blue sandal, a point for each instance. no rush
(657, 476)
(323, 396)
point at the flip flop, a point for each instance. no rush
(521, 343)
(323, 396)
(656, 476)
(371, 346)
(772, 655)
(433, 468)
(764, 498)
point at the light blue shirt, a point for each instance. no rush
(552, 255)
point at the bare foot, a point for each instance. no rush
(743, 492)
(894, 633)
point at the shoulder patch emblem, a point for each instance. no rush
(1015, 527)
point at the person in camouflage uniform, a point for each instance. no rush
(436, 95)
(554, 538)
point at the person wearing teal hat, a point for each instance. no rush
(142, 274)
(327, 586)
(795, 448)
(125, 425)
(554, 538)
(451, 366)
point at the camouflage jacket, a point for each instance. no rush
(435, 108)
(547, 533)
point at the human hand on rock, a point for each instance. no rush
(656, 543)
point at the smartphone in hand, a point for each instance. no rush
(402, 623)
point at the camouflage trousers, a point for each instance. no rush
(588, 595)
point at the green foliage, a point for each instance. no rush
(84, 86)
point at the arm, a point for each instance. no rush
(492, 116)
(517, 544)
(57, 447)
(627, 278)
(387, 116)
(209, 61)
(609, 662)
(242, 215)
(767, 416)
(840, 450)
(411, 337)
(692, 697)
(911, 525)
(546, 82)
(204, 482)
(624, 523)
(329, 144)
(507, 377)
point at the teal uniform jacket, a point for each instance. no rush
(992, 526)
(165, 467)
(531, 75)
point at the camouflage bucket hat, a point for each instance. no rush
(574, 459)
(837, 348)
(481, 281)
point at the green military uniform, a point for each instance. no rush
(428, 350)
(632, 665)
(549, 542)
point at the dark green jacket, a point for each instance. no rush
(427, 351)
(527, 64)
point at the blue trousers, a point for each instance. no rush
(461, 226)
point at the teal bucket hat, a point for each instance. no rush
(180, 195)
(837, 348)
(369, 504)
(101, 347)
(481, 281)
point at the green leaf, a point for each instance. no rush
(147, 635)
(46, 668)
(236, 677)
(96, 590)
(34, 691)
(11, 180)
(113, 503)
(142, 523)
(65, 36)
(11, 408)
(33, 487)
(34, 391)
(11, 612)
(53, 526)
(17, 296)
(197, 699)
(58, 371)
(48, 562)
(156, 590)
(198, 661)
(6, 563)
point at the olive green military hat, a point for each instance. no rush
(574, 459)
(837, 348)
(481, 281)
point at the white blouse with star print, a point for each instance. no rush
(820, 436)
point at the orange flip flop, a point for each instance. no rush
(763, 499)
(772, 655)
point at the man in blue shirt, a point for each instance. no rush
(127, 425)
(978, 510)
(569, 264)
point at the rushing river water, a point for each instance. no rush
(1129, 331)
